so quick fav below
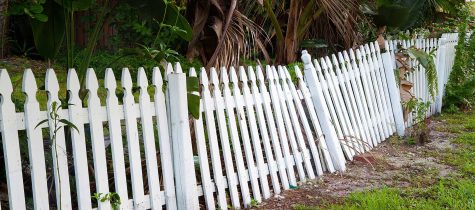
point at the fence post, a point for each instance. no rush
(323, 114)
(183, 164)
(440, 65)
(394, 94)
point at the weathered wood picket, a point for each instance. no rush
(258, 133)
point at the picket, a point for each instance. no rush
(11, 147)
(251, 167)
(133, 141)
(235, 141)
(115, 135)
(253, 128)
(223, 136)
(35, 144)
(58, 147)
(264, 133)
(282, 155)
(78, 142)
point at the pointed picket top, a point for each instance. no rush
(340, 58)
(242, 75)
(323, 64)
(281, 72)
(168, 70)
(91, 81)
(269, 74)
(260, 74)
(358, 54)
(276, 75)
(224, 77)
(233, 76)
(51, 82)
(28, 84)
(204, 77)
(365, 50)
(110, 82)
(178, 68)
(335, 60)
(6, 87)
(157, 79)
(371, 47)
(192, 72)
(126, 79)
(252, 75)
(73, 81)
(214, 78)
(142, 80)
(328, 63)
(298, 72)
(287, 74)
(376, 47)
(346, 56)
(387, 46)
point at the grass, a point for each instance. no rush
(457, 191)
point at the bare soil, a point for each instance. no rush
(392, 163)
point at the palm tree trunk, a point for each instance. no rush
(3, 27)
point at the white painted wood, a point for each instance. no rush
(11, 147)
(300, 144)
(133, 141)
(360, 136)
(369, 96)
(282, 159)
(149, 141)
(255, 137)
(58, 148)
(235, 141)
(323, 113)
(241, 117)
(78, 142)
(333, 107)
(292, 91)
(375, 85)
(356, 83)
(164, 140)
(97, 137)
(206, 182)
(257, 97)
(322, 149)
(182, 149)
(382, 75)
(115, 135)
(35, 141)
(357, 88)
(213, 140)
(349, 136)
(393, 91)
(281, 126)
(224, 138)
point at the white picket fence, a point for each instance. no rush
(258, 132)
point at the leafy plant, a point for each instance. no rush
(419, 131)
(112, 197)
(57, 124)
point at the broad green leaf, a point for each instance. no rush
(70, 124)
(48, 35)
(194, 105)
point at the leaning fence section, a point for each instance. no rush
(259, 130)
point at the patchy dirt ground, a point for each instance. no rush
(392, 163)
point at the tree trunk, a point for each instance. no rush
(3, 27)
(291, 34)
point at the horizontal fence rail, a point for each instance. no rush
(260, 130)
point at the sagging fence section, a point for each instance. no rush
(261, 130)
